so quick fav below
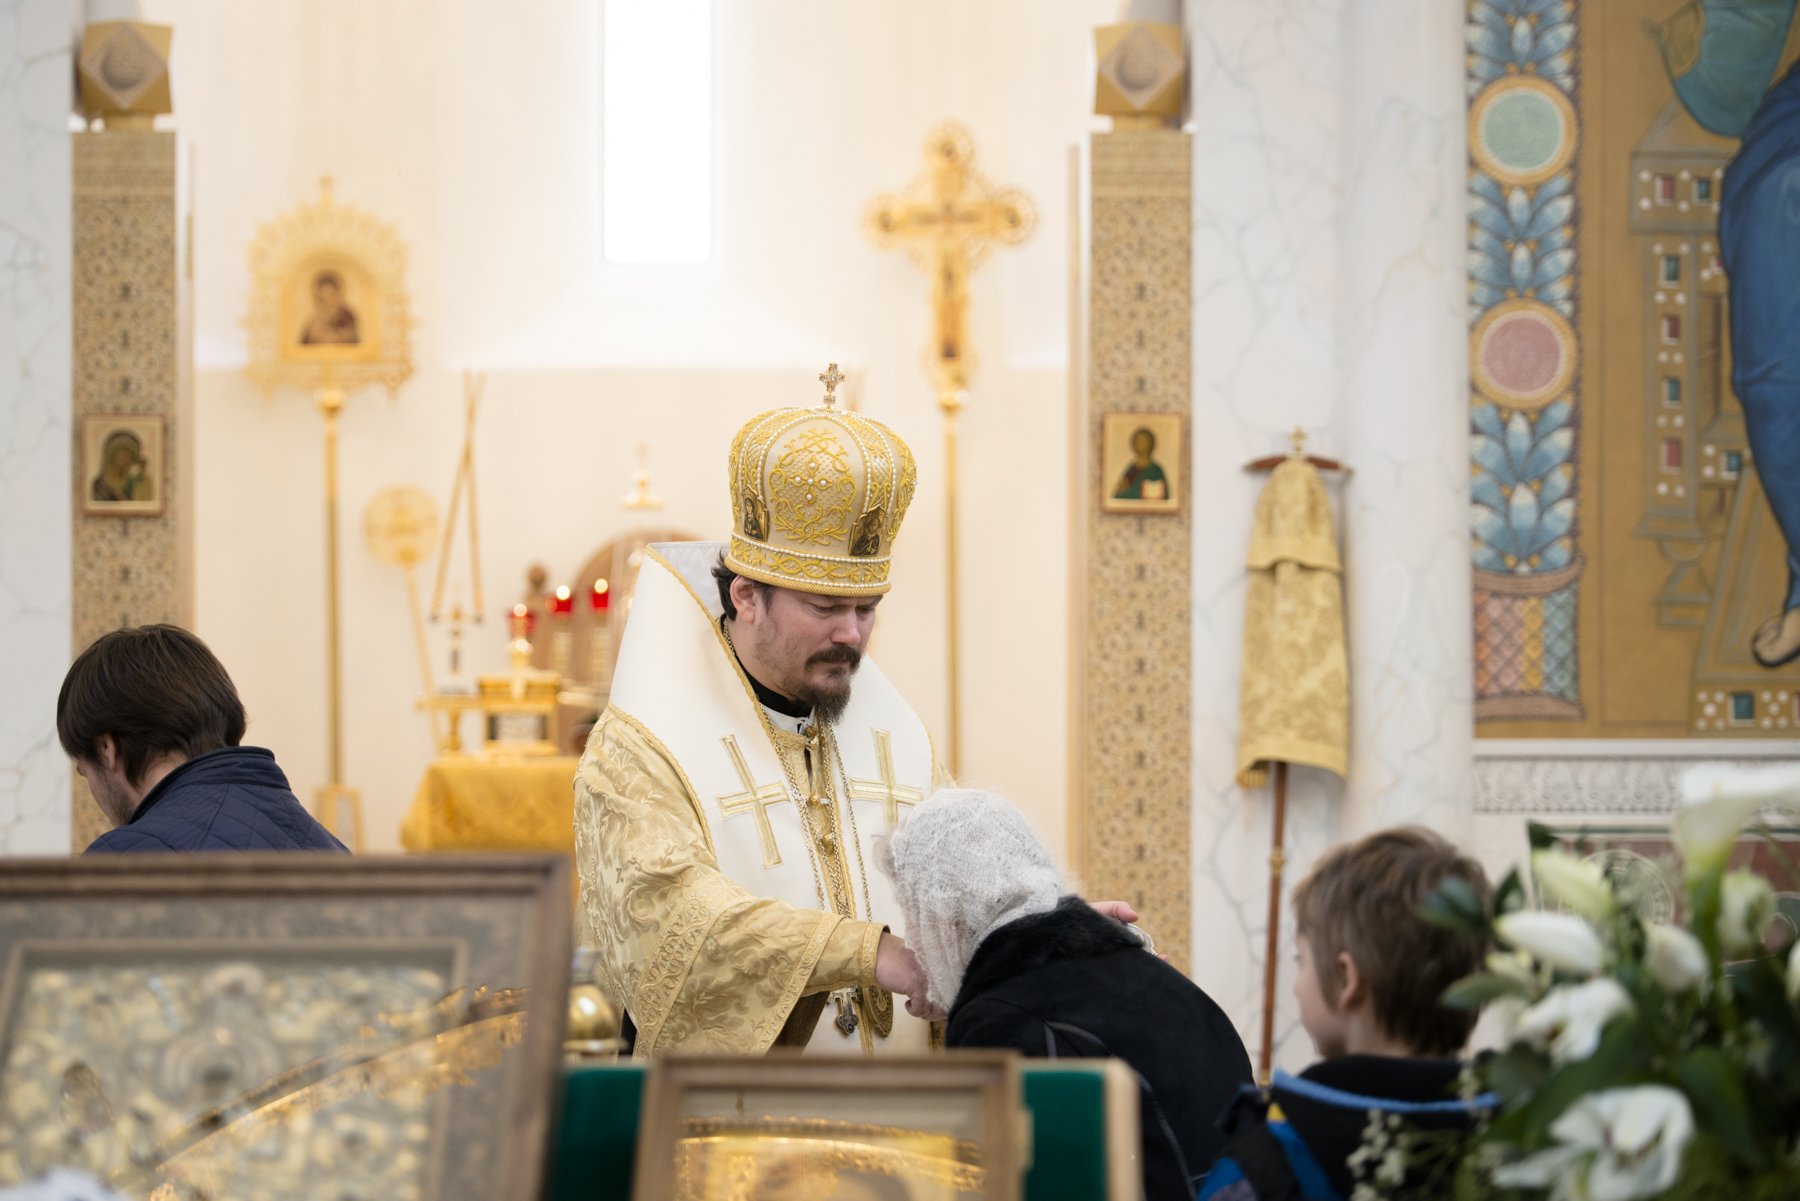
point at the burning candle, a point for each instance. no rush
(563, 603)
(601, 598)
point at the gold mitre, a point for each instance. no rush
(818, 496)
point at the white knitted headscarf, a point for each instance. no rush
(964, 864)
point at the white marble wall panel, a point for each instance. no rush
(1400, 419)
(1328, 294)
(35, 71)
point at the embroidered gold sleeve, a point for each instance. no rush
(700, 962)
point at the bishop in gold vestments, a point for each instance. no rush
(724, 837)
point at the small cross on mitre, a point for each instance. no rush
(831, 378)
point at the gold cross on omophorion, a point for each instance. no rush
(947, 221)
(892, 795)
(753, 800)
(831, 379)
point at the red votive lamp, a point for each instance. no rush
(601, 597)
(522, 621)
(563, 603)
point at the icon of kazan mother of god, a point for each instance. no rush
(1143, 478)
(124, 474)
(331, 322)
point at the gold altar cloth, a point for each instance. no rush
(1295, 700)
(482, 802)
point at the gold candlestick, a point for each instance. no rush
(332, 799)
(600, 638)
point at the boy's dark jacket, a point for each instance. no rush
(1294, 1141)
(1074, 983)
(231, 799)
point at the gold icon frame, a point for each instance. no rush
(288, 258)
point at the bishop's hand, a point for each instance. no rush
(1117, 910)
(897, 970)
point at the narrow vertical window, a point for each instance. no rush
(657, 131)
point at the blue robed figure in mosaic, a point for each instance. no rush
(1759, 242)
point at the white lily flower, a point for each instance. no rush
(1571, 1018)
(1617, 1145)
(1716, 801)
(1746, 907)
(1793, 975)
(1559, 939)
(1574, 882)
(1499, 1025)
(1674, 957)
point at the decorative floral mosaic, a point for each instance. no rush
(1523, 357)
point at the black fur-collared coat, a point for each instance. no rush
(1074, 983)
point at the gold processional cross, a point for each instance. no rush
(892, 795)
(753, 799)
(948, 220)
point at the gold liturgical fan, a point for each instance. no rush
(329, 313)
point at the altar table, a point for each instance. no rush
(491, 803)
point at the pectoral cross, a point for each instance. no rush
(892, 795)
(753, 799)
(948, 220)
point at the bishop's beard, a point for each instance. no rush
(829, 700)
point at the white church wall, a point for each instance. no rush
(1328, 294)
(477, 134)
(35, 199)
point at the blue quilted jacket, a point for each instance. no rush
(231, 799)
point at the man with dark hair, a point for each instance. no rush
(796, 651)
(153, 723)
(727, 804)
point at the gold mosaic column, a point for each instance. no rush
(1131, 839)
(129, 568)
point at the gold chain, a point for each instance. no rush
(835, 863)
(849, 805)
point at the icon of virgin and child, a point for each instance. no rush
(331, 322)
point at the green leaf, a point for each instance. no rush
(1472, 992)
(1711, 1081)
(1457, 906)
(1541, 836)
(1510, 895)
(1516, 1073)
(1703, 905)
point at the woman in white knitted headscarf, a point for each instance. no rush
(963, 865)
(1016, 962)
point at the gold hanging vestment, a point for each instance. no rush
(1294, 700)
